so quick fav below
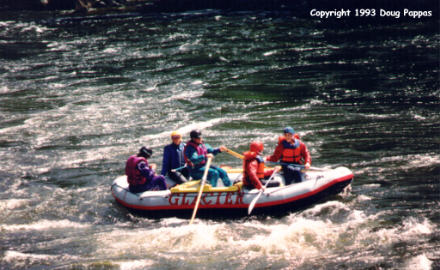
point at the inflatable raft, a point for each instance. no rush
(233, 201)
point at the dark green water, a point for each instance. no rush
(77, 97)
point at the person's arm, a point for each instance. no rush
(166, 161)
(145, 170)
(268, 172)
(276, 154)
(305, 154)
(251, 170)
(211, 150)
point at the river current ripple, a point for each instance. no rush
(77, 97)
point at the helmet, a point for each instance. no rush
(195, 134)
(256, 147)
(289, 130)
(145, 152)
(175, 134)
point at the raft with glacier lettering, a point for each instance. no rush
(233, 201)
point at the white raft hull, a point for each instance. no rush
(233, 201)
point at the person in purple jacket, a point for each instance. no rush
(141, 176)
(173, 162)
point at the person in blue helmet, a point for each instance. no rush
(196, 154)
(291, 150)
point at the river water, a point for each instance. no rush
(78, 96)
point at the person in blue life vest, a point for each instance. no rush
(140, 175)
(291, 150)
(173, 159)
(196, 154)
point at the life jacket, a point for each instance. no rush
(291, 153)
(201, 150)
(134, 176)
(251, 156)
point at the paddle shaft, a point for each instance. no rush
(254, 201)
(235, 154)
(202, 184)
(297, 165)
(178, 169)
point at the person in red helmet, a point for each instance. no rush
(253, 167)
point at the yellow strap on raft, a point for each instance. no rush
(239, 170)
(193, 187)
(234, 170)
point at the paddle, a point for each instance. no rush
(317, 169)
(235, 154)
(178, 169)
(298, 166)
(254, 201)
(202, 184)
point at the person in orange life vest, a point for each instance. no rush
(141, 176)
(253, 168)
(291, 150)
(196, 154)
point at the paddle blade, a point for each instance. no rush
(254, 201)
